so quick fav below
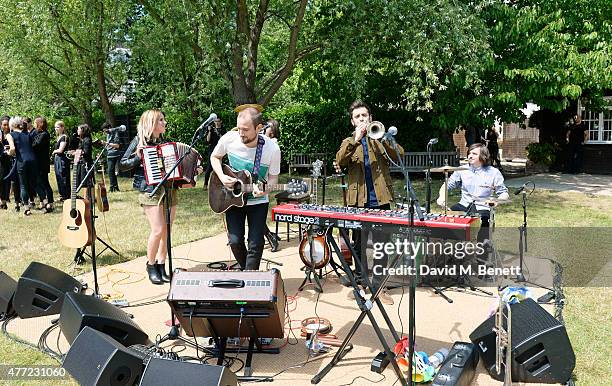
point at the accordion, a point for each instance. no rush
(159, 160)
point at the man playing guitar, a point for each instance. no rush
(243, 147)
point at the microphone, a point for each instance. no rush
(432, 141)
(121, 128)
(264, 128)
(390, 134)
(516, 192)
(208, 121)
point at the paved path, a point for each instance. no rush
(582, 183)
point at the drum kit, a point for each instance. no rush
(489, 201)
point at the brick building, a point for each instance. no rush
(513, 138)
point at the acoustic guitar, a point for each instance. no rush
(74, 229)
(221, 198)
(102, 195)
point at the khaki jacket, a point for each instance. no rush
(350, 156)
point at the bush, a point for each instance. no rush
(542, 153)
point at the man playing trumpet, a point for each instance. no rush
(369, 179)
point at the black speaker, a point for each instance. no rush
(80, 310)
(40, 290)
(164, 372)
(95, 358)
(7, 290)
(541, 350)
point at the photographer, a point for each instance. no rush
(215, 132)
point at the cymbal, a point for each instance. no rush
(446, 169)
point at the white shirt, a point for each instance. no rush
(477, 184)
(242, 157)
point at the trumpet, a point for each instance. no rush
(503, 346)
(375, 130)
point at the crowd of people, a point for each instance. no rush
(27, 154)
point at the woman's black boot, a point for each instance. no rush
(161, 268)
(154, 275)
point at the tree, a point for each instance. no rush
(546, 52)
(65, 47)
(225, 39)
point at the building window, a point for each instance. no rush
(598, 124)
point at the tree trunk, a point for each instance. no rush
(242, 94)
(107, 107)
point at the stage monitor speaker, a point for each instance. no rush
(541, 350)
(95, 358)
(80, 310)
(40, 290)
(7, 291)
(162, 372)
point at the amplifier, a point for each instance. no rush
(222, 303)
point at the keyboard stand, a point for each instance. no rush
(366, 306)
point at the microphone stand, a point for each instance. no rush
(92, 228)
(408, 185)
(173, 334)
(520, 278)
(428, 177)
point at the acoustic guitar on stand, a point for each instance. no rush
(221, 198)
(74, 230)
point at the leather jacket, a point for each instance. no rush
(131, 160)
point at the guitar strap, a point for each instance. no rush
(260, 144)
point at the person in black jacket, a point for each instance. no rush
(61, 163)
(5, 163)
(215, 132)
(41, 143)
(20, 147)
(85, 144)
(151, 127)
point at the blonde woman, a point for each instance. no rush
(151, 128)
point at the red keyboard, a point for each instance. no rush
(458, 227)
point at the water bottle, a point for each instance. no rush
(438, 357)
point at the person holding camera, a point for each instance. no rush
(215, 132)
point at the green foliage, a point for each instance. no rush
(311, 129)
(542, 153)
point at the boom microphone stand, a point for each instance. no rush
(92, 226)
(173, 334)
(408, 185)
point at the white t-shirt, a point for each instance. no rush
(242, 157)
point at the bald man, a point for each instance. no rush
(240, 146)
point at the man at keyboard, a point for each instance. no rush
(246, 149)
(369, 179)
(477, 184)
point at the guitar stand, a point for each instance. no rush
(311, 273)
(79, 256)
(366, 306)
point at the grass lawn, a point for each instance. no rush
(587, 313)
